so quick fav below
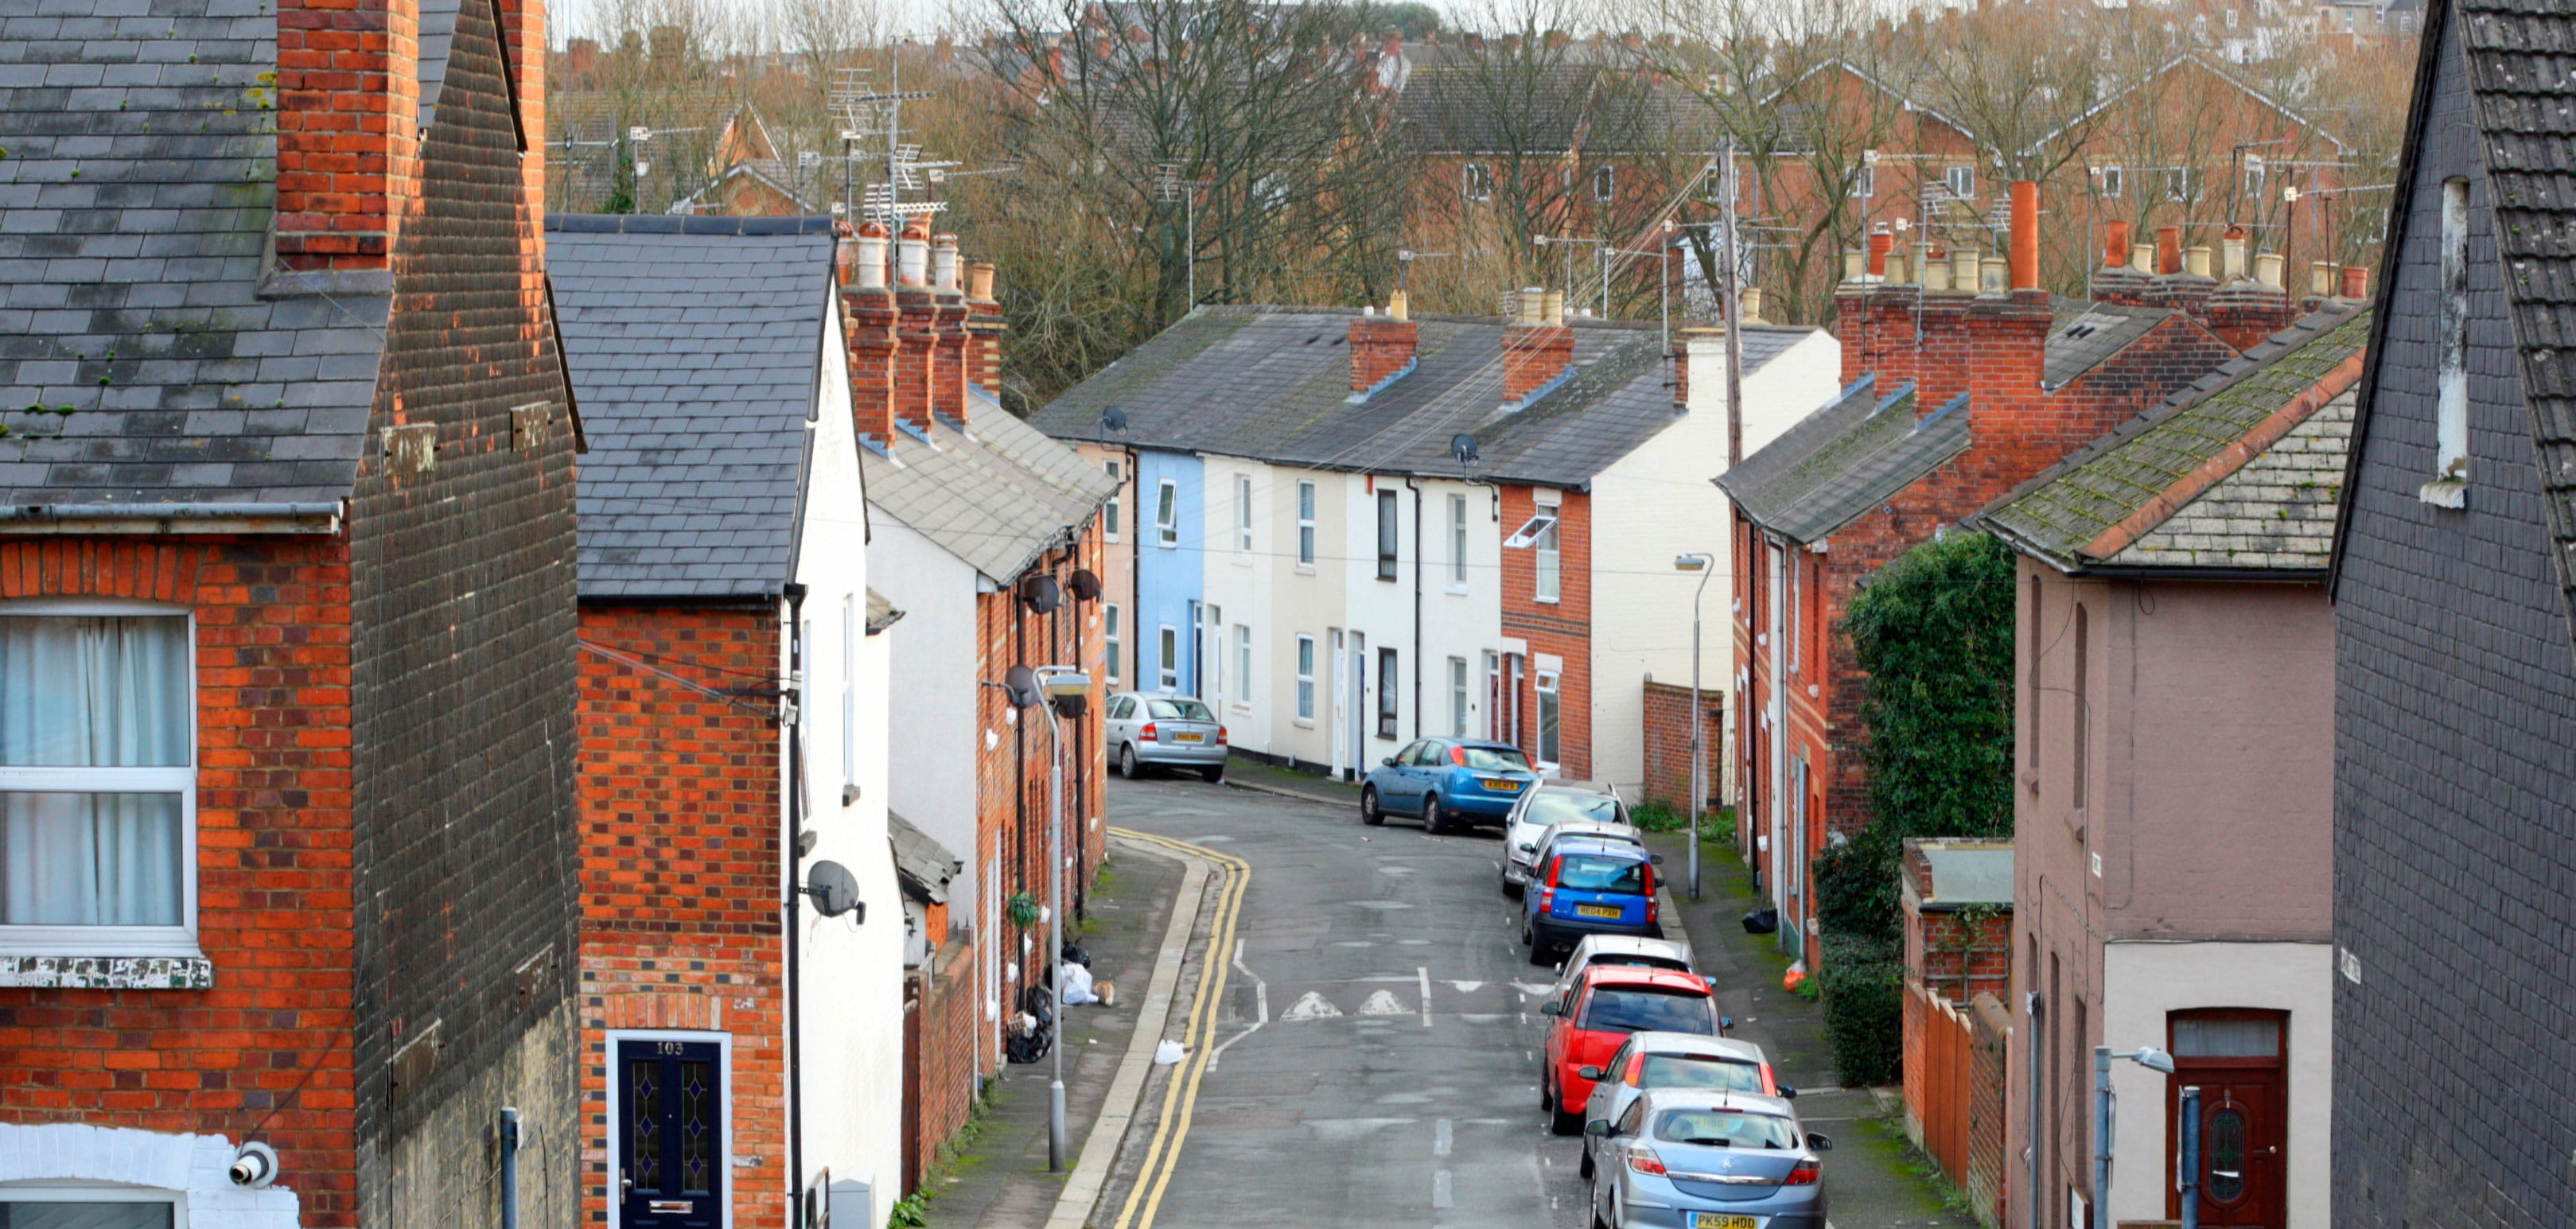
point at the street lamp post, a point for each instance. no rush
(1062, 691)
(2148, 1057)
(1702, 564)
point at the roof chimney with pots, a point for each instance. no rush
(948, 353)
(2244, 312)
(1382, 348)
(2178, 287)
(868, 318)
(1538, 348)
(983, 331)
(2017, 426)
(916, 330)
(2115, 281)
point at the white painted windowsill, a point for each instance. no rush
(107, 972)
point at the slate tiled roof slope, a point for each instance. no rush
(2083, 334)
(2523, 105)
(1274, 384)
(1844, 459)
(138, 188)
(2237, 472)
(994, 492)
(695, 357)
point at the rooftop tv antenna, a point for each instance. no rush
(873, 118)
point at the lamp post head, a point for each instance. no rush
(1691, 563)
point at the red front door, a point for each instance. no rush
(2238, 1061)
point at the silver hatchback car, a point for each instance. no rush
(1700, 1159)
(1159, 730)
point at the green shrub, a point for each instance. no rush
(1934, 632)
(1863, 983)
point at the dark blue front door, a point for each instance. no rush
(670, 1134)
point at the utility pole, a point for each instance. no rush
(1727, 277)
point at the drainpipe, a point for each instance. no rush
(795, 785)
(2188, 1181)
(2037, 1073)
(1417, 606)
(509, 1168)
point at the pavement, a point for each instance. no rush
(1363, 1050)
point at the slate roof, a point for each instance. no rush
(1274, 384)
(922, 865)
(1843, 460)
(2238, 472)
(2084, 334)
(695, 347)
(2523, 102)
(1468, 106)
(139, 185)
(993, 491)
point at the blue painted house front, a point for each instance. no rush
(1171, 528)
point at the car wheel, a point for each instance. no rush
(1561, 1123)
(1127, 765)
(1369, 812)
(1539, 947)
(1215, 776)
(1435, 818)
(1593, 1206)
(1584, 1168)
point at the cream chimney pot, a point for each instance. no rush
(1936, 274)
(2232, 258)
(1554, 310)
(1994, 275)
(1855, 264)
(1531, 307)
(2320, 278)
(1396, 307)
(2195, 260)
(1963, 269)
(2142, 258)
(943, 264)
(872, 257)
(1749, 304)
(1897, 268)
(2267, 270)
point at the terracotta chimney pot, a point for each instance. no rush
(2115, 245)
(979, 281)
(2356, 282)
(2025, 235)
(2168, 249)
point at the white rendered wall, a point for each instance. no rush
(1307, 600)
(935, 674)
(2143, 981)
(190, 1166)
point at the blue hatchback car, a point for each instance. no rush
(1588, 887)
(1448, 781)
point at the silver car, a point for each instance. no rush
(1648, 1061)
(1699, 1159)
(1157, 730)
(1550, 804)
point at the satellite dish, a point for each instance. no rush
(1463, 447)
(1113, 419)
(835, 890)
(1041, 594)
(1022, 684)
(1086, 586)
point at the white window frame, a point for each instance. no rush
(1111, 667)
(1109, 525)
(1953, 177)
(1167, 514)
(1212, 667)
(617, 1102)
(2449, 487)
(1476, 182)
(177, 1200)
(1458, 704)
(1243, 515)
(179, 940)
(2255, 171)
(1242, 666)
(1457, 544)
(1390, 534)
(1305, 524)
(1865, 184)
(1306, 678)
(1548, 686)
(2178, 185)
(1547, 560)
(2115, 181)
(1605, 182)
(1167, 670)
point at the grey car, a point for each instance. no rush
(1701, 1159)
(1552, 803)
(1648, 1061)
(1159, 730)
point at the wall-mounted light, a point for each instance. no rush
(254, 1165)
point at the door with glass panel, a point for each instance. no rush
(2238, 1059)
(670, 1134)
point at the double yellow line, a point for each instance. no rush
(1181, 1097)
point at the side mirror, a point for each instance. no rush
(1820, 1143)
(1388, 761)
(1723, 1022)
(1527, 847)
(1598, 1128)
(1547, 1009)
(1787, 1093)
(1657, 859)
(1589, 1073)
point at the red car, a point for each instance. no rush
(1597, 1013)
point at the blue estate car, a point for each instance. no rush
(1588, 886)
(1447, 781)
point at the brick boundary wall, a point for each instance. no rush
(940, 1072)
(1668, 739)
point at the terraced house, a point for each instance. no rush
(287, 686)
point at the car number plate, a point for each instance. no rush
(1721, 1220)
(1503, 787)
(1189, 738)
(1608, 911)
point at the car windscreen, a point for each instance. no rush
(1178, 710)
(1726, 1129)
(1598, 873)
(1559, 808)
(1495, 759)
(1698, 1071)
(1639, 1009)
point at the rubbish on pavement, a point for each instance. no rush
(1167, 1053)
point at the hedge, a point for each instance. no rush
(1863, 985)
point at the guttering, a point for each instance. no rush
(155, 519)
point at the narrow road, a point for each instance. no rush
(1378, 1036)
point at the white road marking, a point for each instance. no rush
(1311, 1007)
(1260, 988)
(1467, 987)
(1532, 989)
(1424, 975)
(1440, 1138)
(1384, 1003)
(1440, 1196)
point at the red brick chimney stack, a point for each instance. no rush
(948, 333)
(984, 331)
(2245, 311)
(1538, 348)
(868, 312)
(2006, 350)
(916, 327)
(1382, 347)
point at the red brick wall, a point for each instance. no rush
(939, 1055)
(680, 868)
(269, 1048)
(1380, 347)
(1562, 628)
(1668, 741)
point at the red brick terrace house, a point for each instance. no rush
(733, 732)
(1952, 397)
(287, 685)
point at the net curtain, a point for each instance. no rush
(107, 692)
